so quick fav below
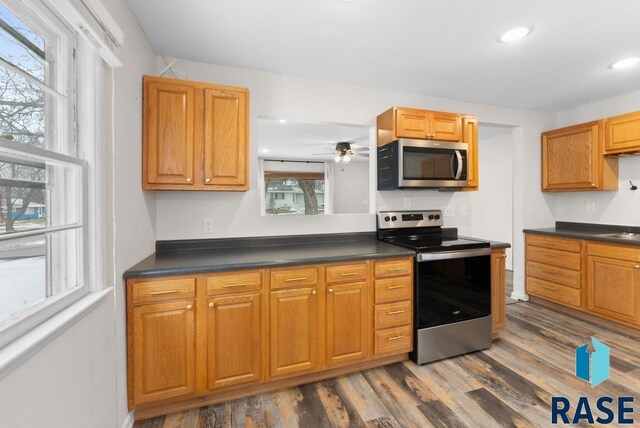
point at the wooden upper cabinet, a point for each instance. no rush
(498, 290)
(573, 159)
(235, 337)
(169, 124)
(163, 357)
(613, 288)
(346, 317)
(401, 122)
(470, 136)
(623, 134)
(293, 331)
(195, 137)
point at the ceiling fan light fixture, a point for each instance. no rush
(346, 158)
(337, 158)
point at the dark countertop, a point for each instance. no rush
(217, 255)
(497, 245)
(589, 231)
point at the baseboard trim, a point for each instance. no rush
(516, 295)
(128, 421)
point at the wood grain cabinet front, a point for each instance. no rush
(195, 135)
(346, 318)
(498, 290)
(623, 134)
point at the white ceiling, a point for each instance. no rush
(441, 48)
(303, 141)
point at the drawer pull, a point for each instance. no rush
(393, 287)
(396, 269)
(549, 271)
(349, 274)
(396, 337)
(636, 267)
(331, 290)
(401, 311)
(549, 254)
(158, 293)
(302, 278)
(240, 284)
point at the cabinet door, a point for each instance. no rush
(412, 123)
(346, 322)
(470, 133)
(234, 345)
(169, 133)
(498, 290)
(570, 158)
(613, 288)
(623, 133)
(225, 137)
(293, 331)
(163, 350)
(445, 126)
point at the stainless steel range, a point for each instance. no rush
(452, 295)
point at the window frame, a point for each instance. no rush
(82, 73)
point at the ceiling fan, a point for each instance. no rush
(345, 150)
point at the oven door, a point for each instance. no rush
(432, 164)
(452, 287)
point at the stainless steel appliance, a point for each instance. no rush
(452, 295)
(420, 164)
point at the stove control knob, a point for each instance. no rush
(437, 216)
(387, 218)
(431, 216)
(394, 218)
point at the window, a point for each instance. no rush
(293, 188)
(42, 206)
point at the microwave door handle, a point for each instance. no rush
(460, 166)
(451, 161)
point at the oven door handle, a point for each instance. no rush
(445, 255)
(460, 166)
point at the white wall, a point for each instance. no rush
(616, 207)
(351, 188)
(79, 379)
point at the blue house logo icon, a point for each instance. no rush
(593, 365)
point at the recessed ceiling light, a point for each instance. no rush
(265, 150)
(282, 121)
(515, 34)
(626, 63)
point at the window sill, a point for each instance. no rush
(21, 349)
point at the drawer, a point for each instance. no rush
(287, 278)
(393, 341)
(161, 290)
(393, 289)
(614, 251)
(387, 268)
(234, 283)
(568, 277)
(392, 315)
(565, 244)
(552, 291)
(553, 257)
(356, 272)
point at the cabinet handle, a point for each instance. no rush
(401, 311)
(240, 284)
(314, 292)
(397, 269)
(395, 338)
(331, 290)
(549, 254)
(593, 185)
(211, 304)
(158, 293)
(349, 274)
(189, 307)
(207, 180)
(393, 287)
(295, 279)
(636, 267)
(549, 271)
(188, 180)
(504, 256)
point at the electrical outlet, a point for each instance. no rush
(591, 206)
(208, 225)
(448, 212)
(463, 210)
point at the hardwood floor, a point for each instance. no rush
(509, 385)
(509, 287)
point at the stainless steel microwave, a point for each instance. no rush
(422, 164)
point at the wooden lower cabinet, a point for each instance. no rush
(234, 340)
(294, 331)
(346, 318)
(163, 354)
(613, 288)
(194, 341)
(498, 290)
